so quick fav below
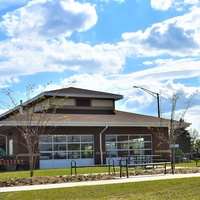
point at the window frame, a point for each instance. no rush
(80, 140)
(122, 147)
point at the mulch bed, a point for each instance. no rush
(91, 177)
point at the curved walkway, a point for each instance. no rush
(102, 182)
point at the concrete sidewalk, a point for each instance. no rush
(102, 182)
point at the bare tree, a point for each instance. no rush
(33, 118)
(175, 124)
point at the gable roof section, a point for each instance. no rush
(68, 92)
(82, 93)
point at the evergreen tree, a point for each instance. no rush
(184, 140)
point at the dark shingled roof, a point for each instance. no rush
(73, 90)
(118, 119)
(77, 92)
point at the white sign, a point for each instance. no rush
(176, 145)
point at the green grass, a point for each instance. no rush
(189, 164)
(174, 189)
(67, 171)
(54, 172)
(187, 188)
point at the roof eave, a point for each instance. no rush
(97, 96)
(92, 124)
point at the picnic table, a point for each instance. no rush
(197, 161)
(144, 161)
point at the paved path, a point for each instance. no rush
(103, 182)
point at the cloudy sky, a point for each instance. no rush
(105, 45)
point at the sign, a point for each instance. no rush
(176, 145)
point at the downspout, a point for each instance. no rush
(100, 139)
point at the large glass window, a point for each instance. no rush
(120, 145)
(66, 146)
(59, 138)
(46, 147)
(72, 139)
(59, 147)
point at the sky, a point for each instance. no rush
(105, 45)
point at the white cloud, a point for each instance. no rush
(192, 115)
(57, 56)
(118, 1)
(161, 4)
(2, 111)
(178, 5)
(159, 78)
(191, 2)
(49, 19)
(175, 69)
(178, 36)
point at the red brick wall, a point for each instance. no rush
(160, 146)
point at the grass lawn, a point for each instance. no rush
(67, 171)
(179, 189)
(54, 172)
(187, 188)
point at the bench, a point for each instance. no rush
(127, 163)
(159, 159)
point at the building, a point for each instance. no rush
(86, 128)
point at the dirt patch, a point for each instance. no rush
(92, 177)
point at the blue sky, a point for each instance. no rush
(105, 45)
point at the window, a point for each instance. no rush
(59, 138)
(66, 147)
(120, 145)
(83, 102)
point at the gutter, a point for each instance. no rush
(100, 139)
(91, 123)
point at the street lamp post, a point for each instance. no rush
(154, 94)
